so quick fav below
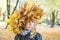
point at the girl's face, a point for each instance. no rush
(29, 25)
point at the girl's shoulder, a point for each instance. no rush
(38, 36)
(16, 37)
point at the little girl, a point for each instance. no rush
(29, 33)
(23, 23)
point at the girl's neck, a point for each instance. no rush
(25, 32)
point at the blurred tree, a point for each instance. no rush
(0, 12)
(53, 7)
(8, 8)
(15, 6)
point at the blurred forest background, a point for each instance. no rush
(50, 7)
(50, 22)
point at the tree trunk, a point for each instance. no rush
(53, 19)
(8, 8)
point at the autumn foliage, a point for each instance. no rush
(23, 15)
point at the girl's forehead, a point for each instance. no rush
(30, 23)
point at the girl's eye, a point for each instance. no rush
(30, 24)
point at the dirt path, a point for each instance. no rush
(5, 35)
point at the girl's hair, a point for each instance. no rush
(33, 32)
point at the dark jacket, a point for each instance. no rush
(26, 37)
